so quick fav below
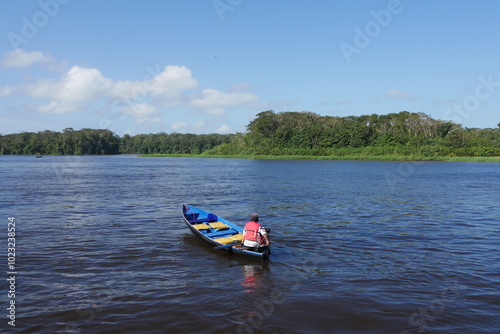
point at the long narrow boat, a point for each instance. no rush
(218, 231)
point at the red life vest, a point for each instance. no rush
(252, 231)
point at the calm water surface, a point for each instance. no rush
(358, 247)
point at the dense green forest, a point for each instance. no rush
(89, 141)
(67, 142)
(284, 133)
(404, 133)
(175, 143)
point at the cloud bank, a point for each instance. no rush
(20, 58)
(145, 101)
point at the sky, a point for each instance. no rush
(210, 66)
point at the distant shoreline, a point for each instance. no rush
(299, 157)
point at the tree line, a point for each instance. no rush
(283, 133)
(67, 142)
(174, 143)
(100, 142)
(403, 133)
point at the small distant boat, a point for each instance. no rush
(38, 156)
(219, 232)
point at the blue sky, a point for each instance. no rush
(205, 66)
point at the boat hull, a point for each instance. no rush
(219, 232)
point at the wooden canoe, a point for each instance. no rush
(219, 232)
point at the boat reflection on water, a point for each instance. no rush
(261, 299)
(252, 275)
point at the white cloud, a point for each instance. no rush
(179, 126)
(54, 107)
(223, 129)
(79, 85)
(210, 98)
(216, 111)
(213, 101)
(140, 110)
(83, 88)
(77, 88)
(396, 94)
(21, 59)
(143, 113)
(171, 80)
(199, 126)
(7, 90)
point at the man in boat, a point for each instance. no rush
(255, 236)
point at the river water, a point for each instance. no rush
(357, 246)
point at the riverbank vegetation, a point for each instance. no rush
(100, 142)
(399, 134)
(288, 135)
(67, 142)
(330, 157)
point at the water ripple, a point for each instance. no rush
(102, 247)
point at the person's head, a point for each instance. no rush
(254, 217)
